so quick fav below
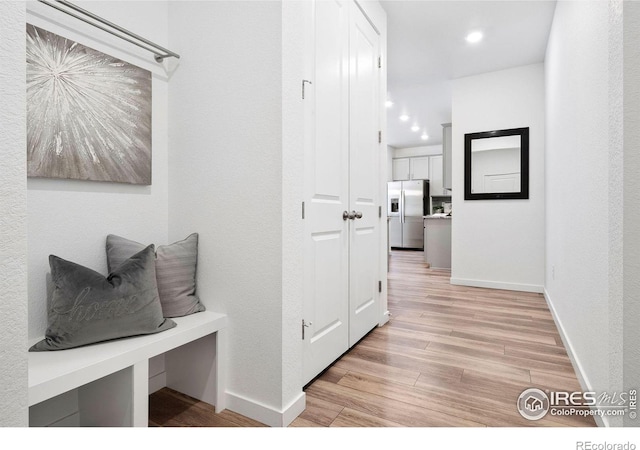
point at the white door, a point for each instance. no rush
(326, 191)
(342, 204)
(364, 184)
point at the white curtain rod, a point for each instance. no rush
(160, 53)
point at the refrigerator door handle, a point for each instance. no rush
(402, 206)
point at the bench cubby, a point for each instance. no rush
(107, 384)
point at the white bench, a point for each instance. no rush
(112, 378)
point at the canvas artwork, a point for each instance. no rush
(88, 114)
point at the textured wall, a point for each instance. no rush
(616, 211)
(631, 349)
(293, 56)
(583, 186)
(499, 243)
(13, 224)
(226, 179)
(71, 218)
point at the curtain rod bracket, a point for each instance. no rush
(109, 27)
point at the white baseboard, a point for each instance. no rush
(157, 373)
(71, 421)
(54, 410)
(157, 382)
(266, 414)
(498, 285)
(575, 362)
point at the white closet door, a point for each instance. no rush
(326, 196)
(364, 186)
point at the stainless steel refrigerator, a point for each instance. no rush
(407, 205)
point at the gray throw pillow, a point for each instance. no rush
(176, 266)
(87, 308)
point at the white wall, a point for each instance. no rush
(227, 182)
(584, 187)
(631, 337)
(293, 63)
(72, 218)
(499, 243)
(13, 217)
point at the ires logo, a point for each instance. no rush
(534, 404)
(573, 398)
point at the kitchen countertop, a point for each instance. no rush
(438, 216)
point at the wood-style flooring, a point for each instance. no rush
(169, 408)
(450, 356)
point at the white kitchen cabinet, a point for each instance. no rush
(437, 242)
(401, 169)
(416, 168)
(435, 177)
(446, 156)
(420, 168)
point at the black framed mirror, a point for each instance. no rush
(496, 165)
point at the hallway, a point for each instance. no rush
(450, 356)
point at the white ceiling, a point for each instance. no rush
(426, 49)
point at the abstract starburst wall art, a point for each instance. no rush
(88, 113)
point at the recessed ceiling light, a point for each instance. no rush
(404, 117)
(415, 128)
(424, 136)
(473, 37)
(388, 103)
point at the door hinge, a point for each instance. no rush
(379, 62)
(303, 82)
(303, 210)
(380, 211)
(379, 286)
(305, 325)
(380, 137)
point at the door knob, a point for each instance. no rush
(348, 215)
(356, 214)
